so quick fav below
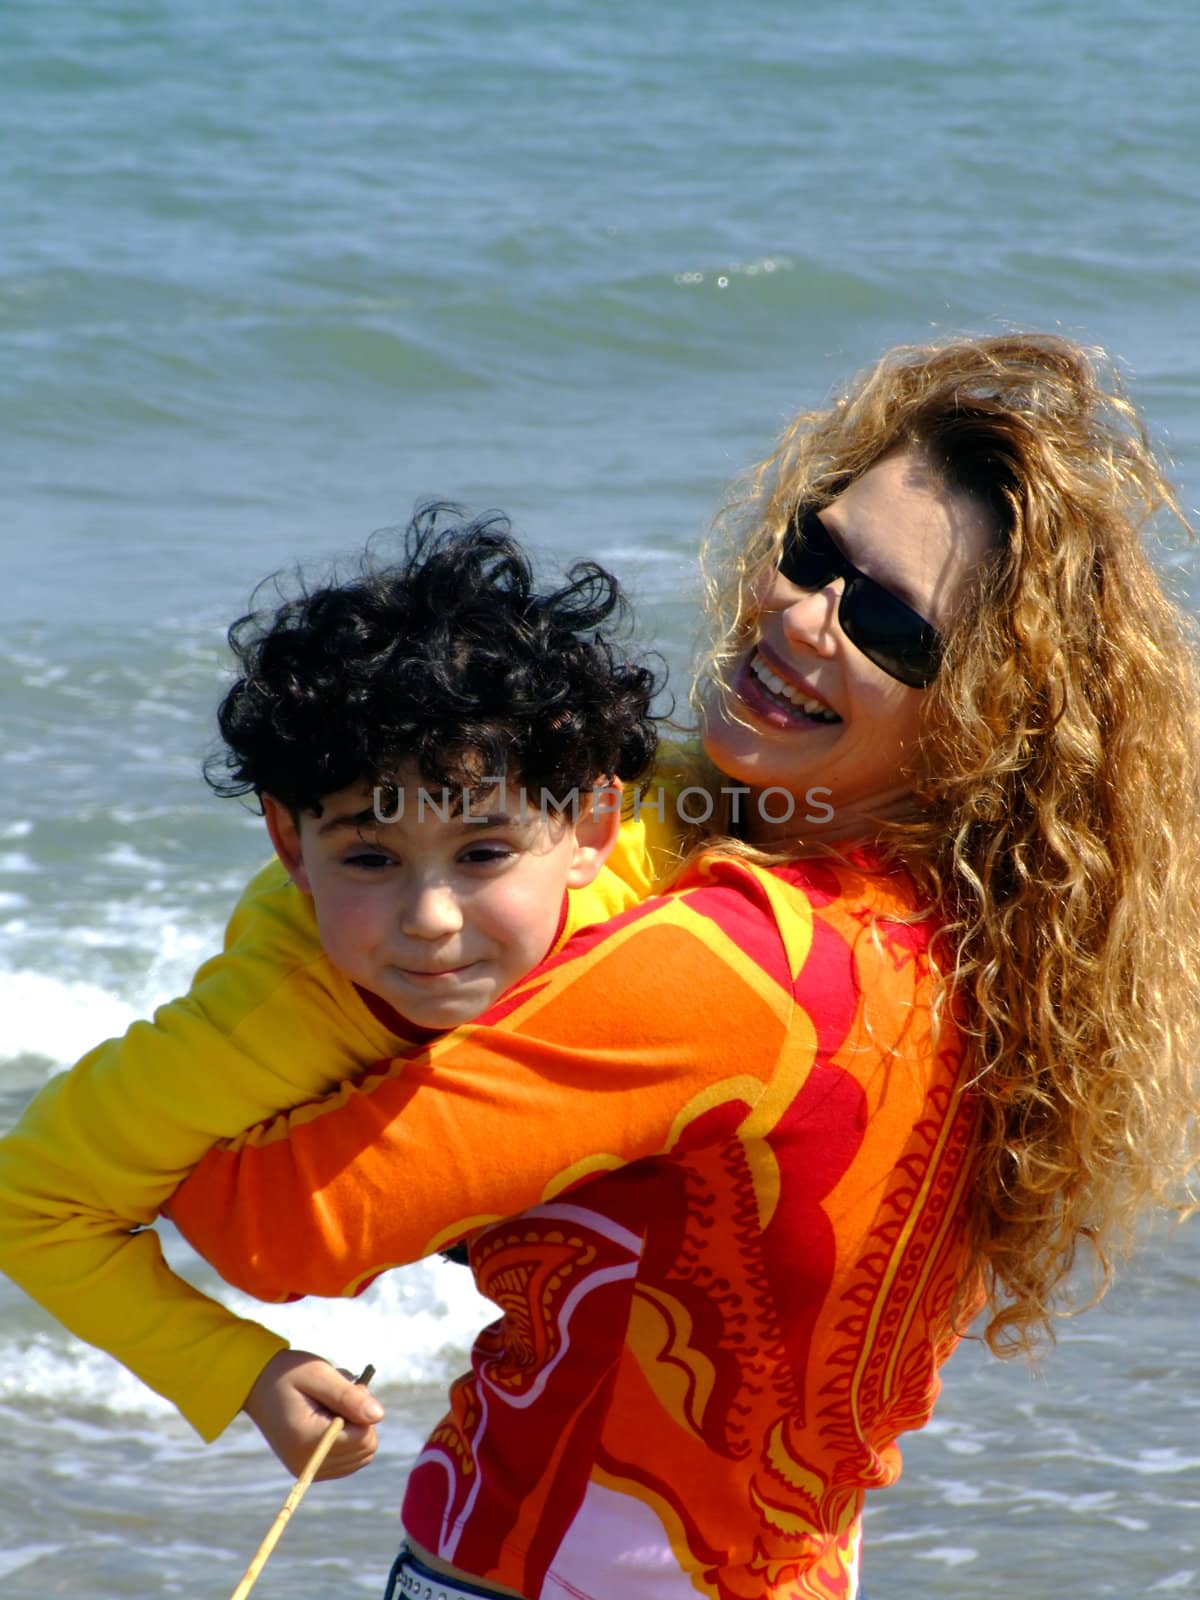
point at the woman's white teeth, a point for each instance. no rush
(785, 691)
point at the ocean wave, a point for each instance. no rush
(55, 1018)
(414, 1324)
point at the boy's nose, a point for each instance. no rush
(430, 912)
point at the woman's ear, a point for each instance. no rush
(595, 832)
(284, 828)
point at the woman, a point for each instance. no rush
(739, 1167)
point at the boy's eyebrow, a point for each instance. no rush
(349, 819)
(358, 820)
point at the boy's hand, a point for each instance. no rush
(294, 1400)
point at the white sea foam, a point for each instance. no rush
(952, 1555)
(415, 1325)
(125, 855)
(23, 1556)
(58, 1369)
(57, 1019)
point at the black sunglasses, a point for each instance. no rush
(877, 622)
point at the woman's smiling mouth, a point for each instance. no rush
(772, 696)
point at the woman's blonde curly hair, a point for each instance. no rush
(1060, 781)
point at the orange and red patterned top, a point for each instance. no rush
(712, 1164)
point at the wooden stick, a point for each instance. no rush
(324, 1445)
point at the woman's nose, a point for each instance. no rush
(809, 616)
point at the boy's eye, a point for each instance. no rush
(487, 854)
(371, 860)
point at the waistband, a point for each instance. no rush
(411, 1579)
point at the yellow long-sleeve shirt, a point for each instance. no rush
(267, 1025)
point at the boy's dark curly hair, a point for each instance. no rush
(447, 661)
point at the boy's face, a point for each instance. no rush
(438, 914)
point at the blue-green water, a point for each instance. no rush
(270, 273)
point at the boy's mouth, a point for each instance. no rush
(435, 975)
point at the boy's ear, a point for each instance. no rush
(596, 833)
(285, 836)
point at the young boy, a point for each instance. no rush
(436, 745)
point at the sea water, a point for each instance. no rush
(270, 274)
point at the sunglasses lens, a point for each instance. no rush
(809, 558)
(891, 634)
